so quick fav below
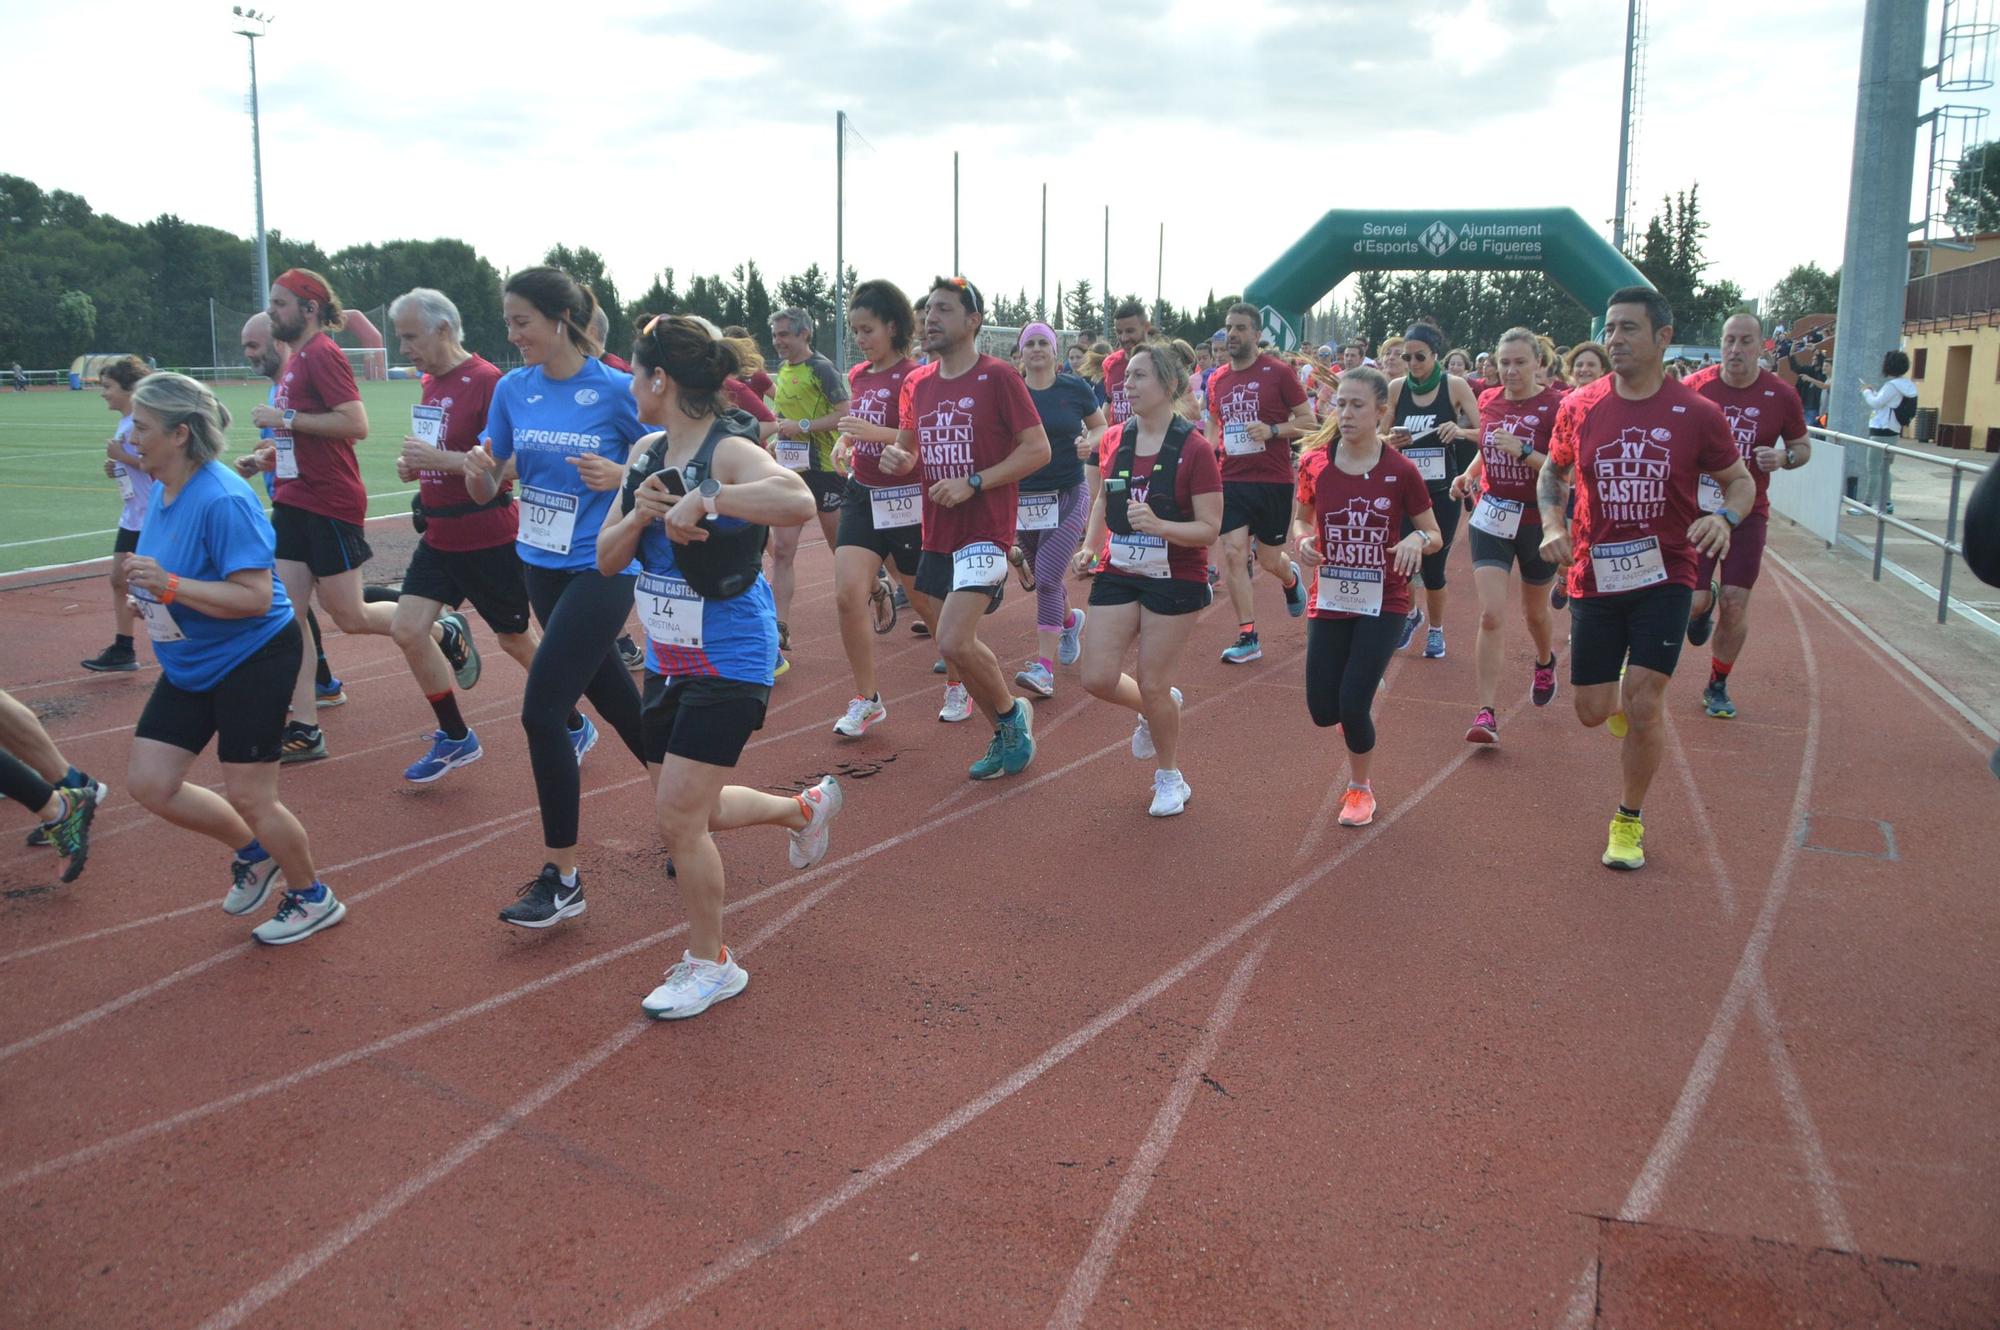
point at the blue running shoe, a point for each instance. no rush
(1434, 644)
(1295, 594)
(329, 694)
(444, 755)
(1410, 626)
(583, 740)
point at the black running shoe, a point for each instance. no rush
(1701, 625)
(114, 659)
(545, 901)
(629, 652)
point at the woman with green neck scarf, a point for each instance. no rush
(1436, 426)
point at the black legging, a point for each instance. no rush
(1446, 509)
(581, 616)
(19, 782)
(1345, 659)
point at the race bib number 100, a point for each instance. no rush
(1498, 517)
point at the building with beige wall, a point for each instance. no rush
(1951, 328)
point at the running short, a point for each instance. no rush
(1490, 551)
(1264, 507)
(857, 528)
(829, 489)
(702, 719)
(326, 545)
(125, 542)
(1157, 595)
(244, 713)
(934, 576)
(1745, 558)
(490, 578)
(1649, 625)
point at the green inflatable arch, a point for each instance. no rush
(1554, 240)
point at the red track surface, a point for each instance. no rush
(1016, 1054)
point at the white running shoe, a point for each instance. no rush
(693, 986)
(1142, 734)
(299, 918)
(823, 805)
(250, 883)
(957, 704)
(861, 713)
(1170, 794)
(1036, 678)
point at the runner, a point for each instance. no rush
(1391, 358)
(1255, 408)
(1516, 421)
(698, 497)
(1354, 490)
(972, 426)
(1768, 422)
(229, 652)
(810, 397)
(1055, 504)
(117, 380)
(465, 550)
(1150, 529)
(563, 424)
(1640, 441)
(1586, 363)
(880, 520)
(1131, 326)
(1436, 426)
(35, 773)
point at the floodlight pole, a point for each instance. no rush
(839, 240)
(255, 26)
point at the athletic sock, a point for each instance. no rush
(253, 853)
(1548, 664)
(1361, 786)
(315, 893)
(1718, 670)
(445, 705)
(62, 798)
(1632, 813)
(124, 640)
(1007, 717)
(1046, 663)
(1293, 569)
(569, 878)
(323, 673)
(1247, 629)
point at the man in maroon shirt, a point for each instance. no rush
(1638, 442)
(1769, 424)
(972, 432)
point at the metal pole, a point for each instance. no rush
(1104, 296)
(840, 239)
(1950, 537)
(214, 346)
(1159, 272)
(1043, 304)
(257, 168)
(956, 270)
(1625, 127)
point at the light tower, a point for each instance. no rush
(255, 25)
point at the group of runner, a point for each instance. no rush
(566, 495)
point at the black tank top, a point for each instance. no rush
(1433, 456)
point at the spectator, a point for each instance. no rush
(1811, 378)
(20, 378)
(1886, 423)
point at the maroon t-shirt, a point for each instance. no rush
(876, 396)
(1267, 391)
(742, 397)
(463, 394)
(963, 425)
(760, 383)
(1763, 415)
(1358, 518)
(316, 380)
(1637, 470)
(1198, 473)
(1503, 474)
(616, 362)
(1117, 404)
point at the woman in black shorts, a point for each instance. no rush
(1435, 418)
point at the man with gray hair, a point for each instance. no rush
(811, 397)
(600, 332)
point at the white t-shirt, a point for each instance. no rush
(133, 518)
(1885, 400)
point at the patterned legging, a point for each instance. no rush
(1049, 552)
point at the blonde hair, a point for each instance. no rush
(1329, 429)
(178, 400)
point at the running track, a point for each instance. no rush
(1016, 1054)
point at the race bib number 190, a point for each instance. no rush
(427, 424)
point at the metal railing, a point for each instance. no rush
(1878, 455)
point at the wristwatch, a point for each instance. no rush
(805, 426)
(1728, 517)
(1527, 449)
(977, 481)
(289, 413)
(709, 489)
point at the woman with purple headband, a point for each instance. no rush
(1054, 506)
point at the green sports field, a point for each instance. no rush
(57, 505)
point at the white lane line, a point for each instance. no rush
(1089, 1274)
(1725, 886)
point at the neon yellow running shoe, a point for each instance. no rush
(1617, 725)
(1627, 847)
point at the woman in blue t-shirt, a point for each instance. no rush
(561, 425)
(1054, 505)
(708, 659)
(229, 651)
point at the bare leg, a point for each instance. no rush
(778, 562)
(412, 624)
(854, 583)
(299, 582)
(157, 778)
(1235, 572)
(1732, 627)
(970, 659)
(1488, 649)
(1161, 637)
(122, 614)
(253, 793)
(21, 734)
(1645, 691)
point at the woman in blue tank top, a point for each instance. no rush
(701, 476)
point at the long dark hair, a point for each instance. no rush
(560, 298)
(886, 301)
(688, 351)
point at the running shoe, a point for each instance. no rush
(781, 669)
(939, 667)
(693, 986)
(1716, 702)
(114, 659)
(1013, 746)
(918, 628)
(1413, 621)
(69, 833)
(303, 743)
(1243, 650)
(822, 803)
(1485, 728)
(443, 756)
(1617, 725)
(332, 693)
(1069, 648)
(1214, 575)
(1701, 625)
(1545, 683)
(300, 915)
(546, 901)
(1295, 594)
(583, 738)
(1142, 733)
(1170, 794)
(1357, 807)
(861, 713)
(1037, 679)
(1434, 644)
(1023, 569)
(38, 836)
(900, 596)
(630, 654)
(1627, 849)
(1559, 592)
(249, 884)
(957, 704)
(461, 650)
(882, 603)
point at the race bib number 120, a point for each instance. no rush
(896, 506)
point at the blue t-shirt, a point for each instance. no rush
(265, 436)
(213, 528)
(541, 423)
(738, 637)
(1062, 405)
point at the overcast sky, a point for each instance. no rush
(695, 135)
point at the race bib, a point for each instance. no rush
(1349, 590)
(670, 610)
(1139, 555)
(427, 424)
(548, 519)
(795, 454)
(160, 625)
(1628, 565)
(1038, 512)
(1430, 463)
(125, 489)
(896, 506)
(978, 566)
(1710, 494)
(1498, 517)
(1236, 440)
(288, 460)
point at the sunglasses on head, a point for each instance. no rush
(961, 284)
